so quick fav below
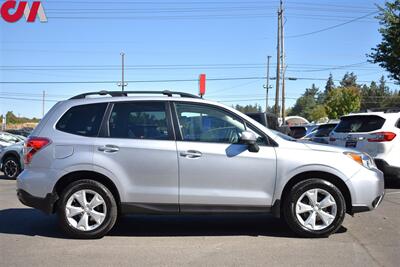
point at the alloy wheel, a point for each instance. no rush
(10, 168)
(85, 210)
(316, 209)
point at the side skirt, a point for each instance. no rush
(158, 208)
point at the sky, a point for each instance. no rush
(178, 40)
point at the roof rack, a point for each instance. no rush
(126, 93)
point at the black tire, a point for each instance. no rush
(111, 207)
(289, 208)
(11, 167)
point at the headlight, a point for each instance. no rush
(362, 159)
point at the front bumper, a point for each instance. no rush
(367, 188)
(45, 204)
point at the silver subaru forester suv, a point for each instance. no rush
(99, 155)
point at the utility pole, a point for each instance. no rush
(123, 84)
(283, 67)
(43, 100)
(267, 85)
(278, 61)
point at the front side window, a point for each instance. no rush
(203, 123)
(82, 120)
(139, 120)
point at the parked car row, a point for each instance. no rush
(375, 133)
(11, 150)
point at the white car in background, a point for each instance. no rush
(375, 133)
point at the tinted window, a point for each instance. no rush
(139, 120)
(272, 122)
(208, 124)
(82, 120)
(257, 118)
(324, 130)
(297, 132)
(353, 124)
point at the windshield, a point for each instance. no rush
(283, 136)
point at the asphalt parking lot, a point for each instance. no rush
(28, 237)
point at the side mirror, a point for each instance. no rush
(250, 139)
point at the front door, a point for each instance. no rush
(216, 172)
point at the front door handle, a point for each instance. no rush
(191, 154)
(108, 148)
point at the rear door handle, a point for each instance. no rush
(191, 154)
(108, 149)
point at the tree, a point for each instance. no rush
(317, 113)
(387, 53)
(330, 85)
(249, 108)
(342, 101)
(349, 80)
(305, 103)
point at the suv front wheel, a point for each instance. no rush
(86, 209)
(314, 208)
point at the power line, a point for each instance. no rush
(331, 27)
(172, 80)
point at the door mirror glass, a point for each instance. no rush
(250, 139)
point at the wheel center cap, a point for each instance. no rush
(315, 208)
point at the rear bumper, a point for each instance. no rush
(387, 169)
(45, 204)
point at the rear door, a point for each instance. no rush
(216, 172)
(138, 147)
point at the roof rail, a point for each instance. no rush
(126, 93)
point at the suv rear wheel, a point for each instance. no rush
(86, 209)
(314, 208)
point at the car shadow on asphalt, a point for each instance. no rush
(31, 222)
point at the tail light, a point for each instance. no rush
(382, 137)
(332, 139)
(32, 145)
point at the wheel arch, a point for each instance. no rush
(10, 154)
(67, 179)
(335, 180)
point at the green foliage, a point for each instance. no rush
(349, 80)
(330, 85)
(317, 113)
(306, 103)
(387, 53)
(249, 108)
(342, 101)
(11, 118)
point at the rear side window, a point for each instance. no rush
(324, 130)
(354, 124)
(297, 132)
(272, 122)
(82, 120)
(139, 120)
(257, 117)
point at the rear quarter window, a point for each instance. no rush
(360, 124)
(82, 120)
